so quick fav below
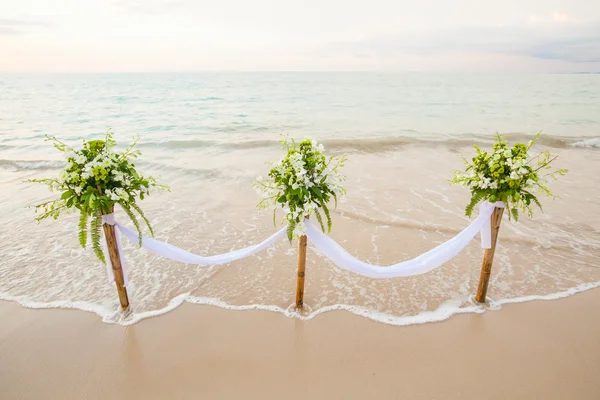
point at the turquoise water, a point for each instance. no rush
(209, 135)
(229, 107)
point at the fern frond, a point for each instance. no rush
(83, 229)
(515, 213)
(95, 226)
(476, 198)
(320, 219)
(139, 211)
(537, 202)
(290, 230)
(327, 215)
(133, 219)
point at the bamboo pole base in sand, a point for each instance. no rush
(302, 243)
(488, 256)
(115, 260)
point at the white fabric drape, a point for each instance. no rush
(327, 246)
(419, 265)
(176, 254)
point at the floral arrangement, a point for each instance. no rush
(509, 174)
(95, 179)
(301, 184)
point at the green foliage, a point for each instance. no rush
(133, 219)
(301, 183)
(510, 175)
(83, 229)
(320, 219)
(94, 180)
(290, 229)
(95, 226)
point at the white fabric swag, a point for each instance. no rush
(326, 245)
(419, 265)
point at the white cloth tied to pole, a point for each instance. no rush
(419, 265)
(326, 245)
(486, 230)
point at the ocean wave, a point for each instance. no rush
(587, 143)
(370, 146)
(379, 145)
(18, 165)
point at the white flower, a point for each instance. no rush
(69, 153)
(507, 153)
(63, 176)
(300, 229)
(77, 190)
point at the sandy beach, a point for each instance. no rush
(543, 349)
(299, 200)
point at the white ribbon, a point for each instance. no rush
(329, 247)
(419, 265)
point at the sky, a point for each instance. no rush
(301, 35)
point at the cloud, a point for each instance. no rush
(17, 26)
(557, 17)
(559, 37)
(146, 6)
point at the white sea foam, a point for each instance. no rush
(458, 305)
(593, 142)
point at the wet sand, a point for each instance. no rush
(547, 349)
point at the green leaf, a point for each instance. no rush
(139, 210)
(476, 198)
(328, 215)
(317, 192)
(66, 195)
(133, 219)
(515, 213)
(320, 219)
(83, 229)
(290, 230)
(95, 227)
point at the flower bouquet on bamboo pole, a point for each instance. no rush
(301, 184)
(511, 178)
(94, 180)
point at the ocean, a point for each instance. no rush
(208, 136)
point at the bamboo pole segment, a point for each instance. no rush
(302, 243)
(488, 256)
(115, 260)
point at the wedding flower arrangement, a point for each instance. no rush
(95, 178)
(509, 174)
(301, 184)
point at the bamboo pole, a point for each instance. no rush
(115, 260)
(488, 256)
(302, 243)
